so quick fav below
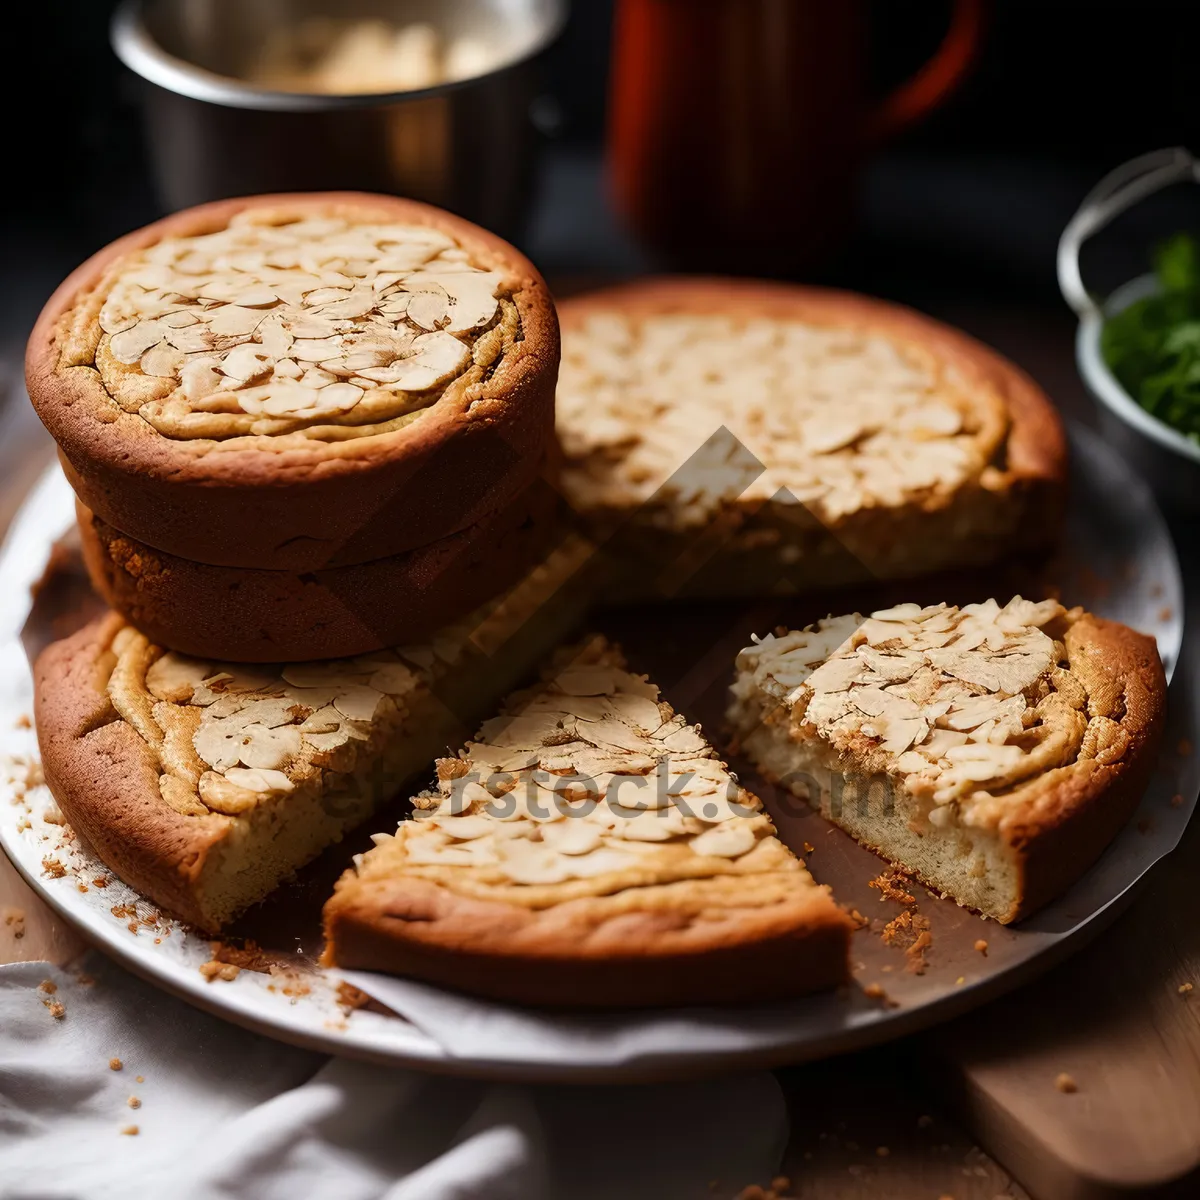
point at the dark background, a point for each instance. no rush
(967, 206)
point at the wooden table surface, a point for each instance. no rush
(907, 1121)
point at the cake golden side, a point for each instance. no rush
(991, 752)
(245, 615)
(589, 849)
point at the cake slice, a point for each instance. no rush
(204, 784)
(990, 752)
(589, 849)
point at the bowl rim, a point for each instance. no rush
(1105, 386)
(134, 45)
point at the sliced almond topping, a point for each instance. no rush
(957, 702)
(724, 841)
(344, 308)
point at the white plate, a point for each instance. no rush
(1118, 536)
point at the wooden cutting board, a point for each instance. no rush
(1122, 1019)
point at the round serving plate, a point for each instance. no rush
(1118, 561)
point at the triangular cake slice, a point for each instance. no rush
(589, 848)
(990, 752)
(205, 784)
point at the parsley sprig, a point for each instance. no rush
(1153, 346)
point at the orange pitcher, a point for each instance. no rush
(737, 127)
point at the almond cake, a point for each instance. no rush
(992, 752)
(298, 382)
(589, 848)
(203, 784)
(793, 438)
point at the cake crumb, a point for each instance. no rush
(911, 931)
(55, 1008)
(960, 981)
(809, 847)
(874, 990)
(139, 1079)
(14, 919)
(981, 946)
(101, 881)
(1065, 1083)
(349, 997)
(130, 1131)
(115, 1064)
(915, 954)
(23, 722)
(48, 986)
(134, 1102)
(213, 970)
(1165, 613)
(781, 1183)
(53, 868)
(1184, 988)
(892, 885)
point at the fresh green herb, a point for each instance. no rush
(1153, 346)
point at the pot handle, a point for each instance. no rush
(1118, 191)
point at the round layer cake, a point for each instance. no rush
(733, 436)
(298, 382)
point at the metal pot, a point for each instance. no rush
(1169, 461)
(466, 146)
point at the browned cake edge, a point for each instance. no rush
(580, 955)
(1067, 823)
(104, 777)
(237, 614)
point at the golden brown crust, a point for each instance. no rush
(1018, 509)
(1070, 815)
(591, 953)
(314, 505)
(237, 614)
(105, 778)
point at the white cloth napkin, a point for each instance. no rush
(468, 1027)
(226, 1113)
